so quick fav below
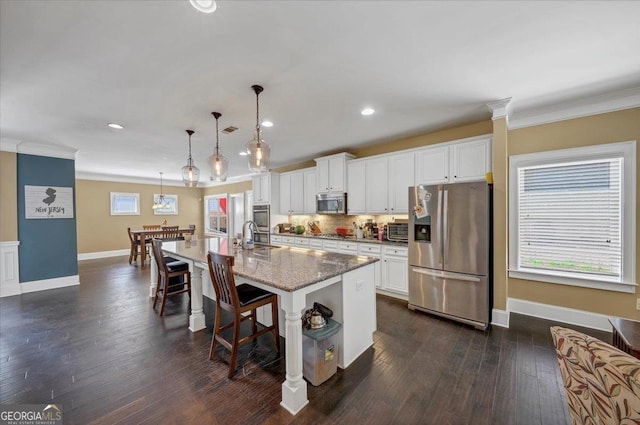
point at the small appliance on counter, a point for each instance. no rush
(282, 228)
(398, 231)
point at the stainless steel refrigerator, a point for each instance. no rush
(450, 251)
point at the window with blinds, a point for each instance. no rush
(572, 216)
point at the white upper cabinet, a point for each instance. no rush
(266, 189)
(471, 161)
(377, 186)
(466, 160)
(432, 165)
(401, 177)
(298, 191)
(356, 183)
(310, 189)
(388, 178)
(332, 173)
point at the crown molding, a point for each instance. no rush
(500, 108)
(594, 105)
(9, 145)
(83, 175)
(44, 149)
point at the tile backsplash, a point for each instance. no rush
(328, 223)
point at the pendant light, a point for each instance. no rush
(218, 163)
(190, 173)
(160, 202)
(257, 149)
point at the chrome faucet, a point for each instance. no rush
(250, 224)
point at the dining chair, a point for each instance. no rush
(136, 246)
(171, 233)
(151, 227)
(174, 277)
(238, 300)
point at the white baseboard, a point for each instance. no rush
(45, 284)
(500, 318)
(102, 254)
(560, 314)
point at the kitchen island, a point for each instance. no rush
(300, 277)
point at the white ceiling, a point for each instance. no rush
(67, 68)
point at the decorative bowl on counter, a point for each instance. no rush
(342, 231)
(299, 230)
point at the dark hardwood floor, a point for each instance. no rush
(101, 351)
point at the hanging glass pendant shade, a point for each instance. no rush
(160, 201)
(190, 173)
(258, 150)
(217, 162)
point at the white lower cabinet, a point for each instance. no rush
(348, 248)
(302, 242)
(316, 244)
(276, 240)
(395, 270)
(371, 250)
(288, 241)
(331, 246)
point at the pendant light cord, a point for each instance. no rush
(258, 90)
(190, 160)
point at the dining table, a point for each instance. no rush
(142, 235)
(299, 276)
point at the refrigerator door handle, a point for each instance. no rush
(445, 233)
(446, 275)
(439, 224)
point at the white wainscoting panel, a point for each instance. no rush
(9, 269)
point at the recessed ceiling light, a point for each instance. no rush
(204, 6)
(267, 124)
(367, 111)
(116, 126)
(243, 153)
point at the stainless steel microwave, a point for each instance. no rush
(331, 203)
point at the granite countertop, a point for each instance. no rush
(285, 268)
(348, 238)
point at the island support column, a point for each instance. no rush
(154, 276)
(196, 320)
(294, 388)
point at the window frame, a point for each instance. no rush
(135, 196)
(206, 228)
(172, 205)
(626, 150)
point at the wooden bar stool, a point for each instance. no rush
(136, 246)
(173, 277)
(238, 300)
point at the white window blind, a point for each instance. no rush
(570, 218)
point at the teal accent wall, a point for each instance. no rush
(48, 247)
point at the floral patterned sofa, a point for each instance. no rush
(602, 383)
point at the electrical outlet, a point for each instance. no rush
(638, 304)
